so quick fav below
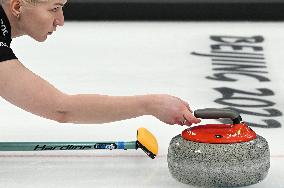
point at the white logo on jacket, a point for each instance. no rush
(3, 28)
(3, 44)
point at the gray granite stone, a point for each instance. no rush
(218, 165)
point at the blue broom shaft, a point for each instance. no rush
(45, 146)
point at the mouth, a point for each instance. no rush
(49, 33)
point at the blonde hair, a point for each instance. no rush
(26, 1)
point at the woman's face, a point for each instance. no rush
(40, 20)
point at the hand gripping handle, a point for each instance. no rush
(215, 113)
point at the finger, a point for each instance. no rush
(179, 123)
(190, 109)
(187, 105)
(192, 119)
(184, 121)
(187, 123)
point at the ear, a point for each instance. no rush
(15, 6)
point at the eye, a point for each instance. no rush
(55, 9)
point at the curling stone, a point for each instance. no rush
(219, 155)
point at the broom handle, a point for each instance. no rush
(45, 146)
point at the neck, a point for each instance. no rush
(16, 30)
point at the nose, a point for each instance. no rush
(59, 20)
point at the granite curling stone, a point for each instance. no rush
(219, 155)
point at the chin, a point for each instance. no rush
(40, 38)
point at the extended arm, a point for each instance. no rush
(21, 87)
